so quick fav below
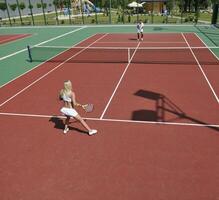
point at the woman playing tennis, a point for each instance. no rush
(68, 97)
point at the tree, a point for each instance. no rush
(56, 4)
(22, 6)
(19, 11)
(31, 11)
(13, 7)
(30, 6)
(43, 5)
(170, 5)
(3, 7)
(39, 5)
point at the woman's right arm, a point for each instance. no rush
(74, 100)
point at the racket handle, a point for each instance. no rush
(84, 106)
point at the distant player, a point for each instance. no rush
(140, 26)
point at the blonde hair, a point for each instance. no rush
(66, 90)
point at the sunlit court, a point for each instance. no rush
(156, 111)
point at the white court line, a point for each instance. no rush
(120, 80)
(57, 37)
(207, 46)
(48, 73)
(148, 42)
(113, 120)
(200, 67)
(131, 48)
(12, 54)
(42, 27)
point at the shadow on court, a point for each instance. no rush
(59, 124)
(134, 39)
(163, 105)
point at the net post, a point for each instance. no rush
(29, 53)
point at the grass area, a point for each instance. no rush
(205, 17)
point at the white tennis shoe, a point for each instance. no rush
(66, 130)
(92, 132)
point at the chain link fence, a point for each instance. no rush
(66, 12)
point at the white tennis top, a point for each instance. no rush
(140, 27)
(66, 98)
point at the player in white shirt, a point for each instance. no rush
(140, 30)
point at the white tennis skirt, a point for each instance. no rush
(139, 30)
(71, 112)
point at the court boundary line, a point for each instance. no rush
(35, 67)
(54, 38)
(112, 120)
(36, 26)
(44, 75)
(120, 80)
(207, 46)
(127, 47)
(200, 67)
(154, 42)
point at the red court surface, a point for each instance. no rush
(10, 38)
(158, 127)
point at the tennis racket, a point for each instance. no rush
(88, 107)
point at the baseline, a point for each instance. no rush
(114, 120)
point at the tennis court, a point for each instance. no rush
(156, 112)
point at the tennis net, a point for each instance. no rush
(148, 55)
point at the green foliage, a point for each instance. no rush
(39, 5)
(22, 5)
(3, 6)
(44, 5)
(56, 3)
(30, 6)
(170, 4)
(215, 1)
(13, 6)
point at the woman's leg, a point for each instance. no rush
(66, 124)
(90, 131)
(80, 119)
